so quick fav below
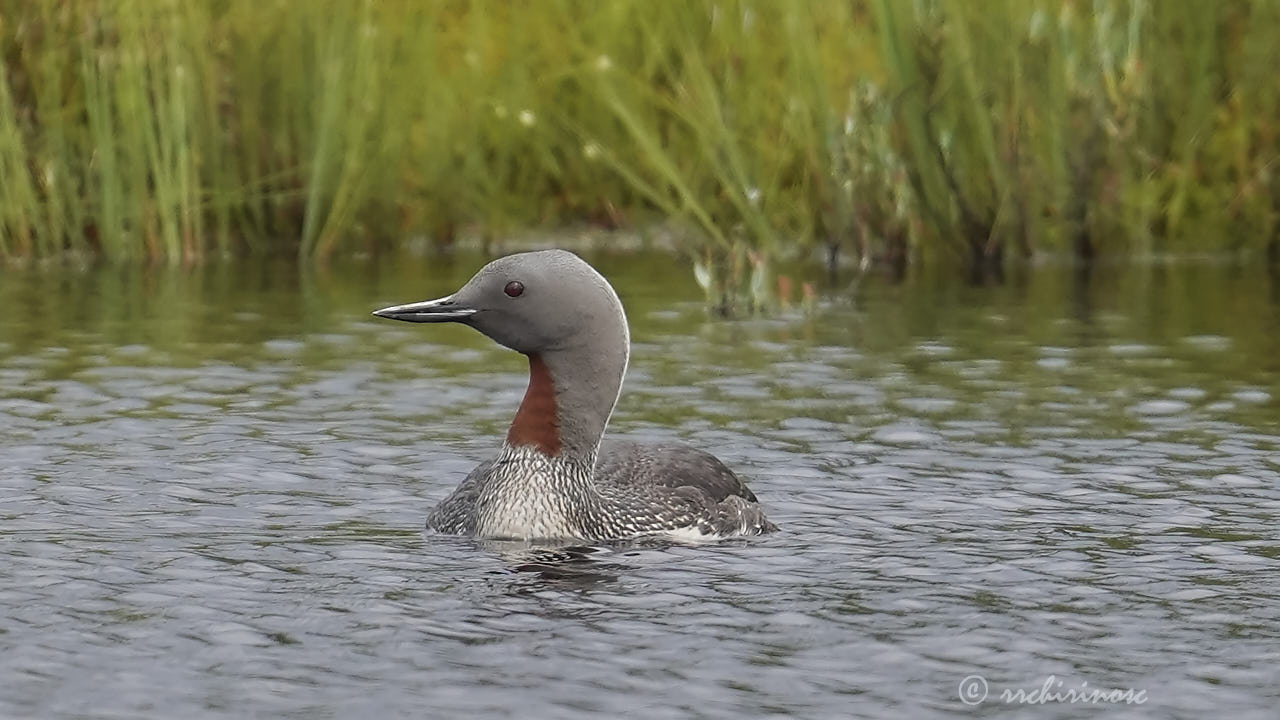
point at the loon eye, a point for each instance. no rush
(514, 288)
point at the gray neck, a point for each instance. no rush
(588, 378)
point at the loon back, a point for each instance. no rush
(670, 465)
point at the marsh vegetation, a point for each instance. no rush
(962, 133)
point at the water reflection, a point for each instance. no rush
(562, 565)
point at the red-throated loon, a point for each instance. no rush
(554, 477)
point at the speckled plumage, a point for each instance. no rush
(553, 477)
(634, 490)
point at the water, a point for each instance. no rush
(212, 485)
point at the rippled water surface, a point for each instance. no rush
(213, 483)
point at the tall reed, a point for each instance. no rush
(907, 131)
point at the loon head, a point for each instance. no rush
(555, 308)
(531, 302)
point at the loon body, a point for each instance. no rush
(555, 477)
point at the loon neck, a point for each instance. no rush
(571, 394)
(537, 422)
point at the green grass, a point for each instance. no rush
(909, 131)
